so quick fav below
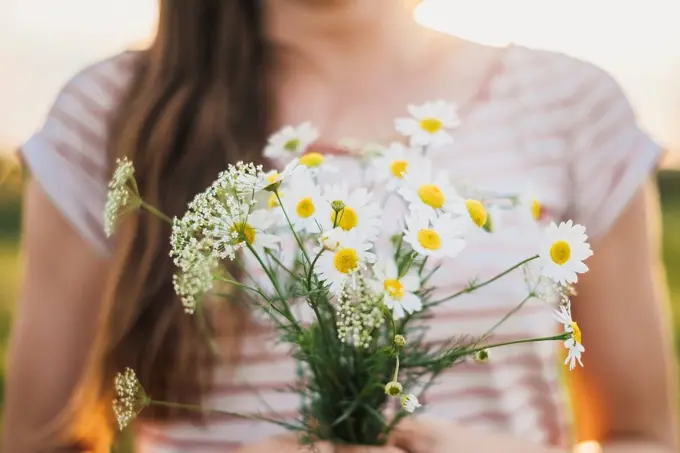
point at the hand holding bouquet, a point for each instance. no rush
(363, 361)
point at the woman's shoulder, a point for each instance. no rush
(99, 86)
(555, 76)
(67, 156)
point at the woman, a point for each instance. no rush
(218, 79)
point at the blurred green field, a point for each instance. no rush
(669, 185)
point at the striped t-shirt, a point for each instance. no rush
(544, 120)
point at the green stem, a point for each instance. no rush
(504, 318)
(475, 287)
(154, 211)
(196, 408)
(422, 266)
(288, 313)
(280, 264)
(239, 285)
(311, 270)
(290, 224)
(396, 370)
(401, 241)
(562, 336)
(407, 265)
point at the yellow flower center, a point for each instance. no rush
(398, 168)
(346, 260)
(560, 252)
(577, 332)
(535, 209)
(346, 218)
(431, 125)
(292, 145)
(477, 212)
(431, 195)
(394, 288)
(305, 208)
(245, 231)
(429, 239)
(273, 202)
(312, 160)
(271, 178)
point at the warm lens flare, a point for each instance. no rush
(48, 41)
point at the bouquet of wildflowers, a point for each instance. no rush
(363, 357)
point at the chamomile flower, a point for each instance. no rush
(529, 202)
(246, 230)
(563, 251)
(477, 212)
(352, 254)
(428, 193)
(316, 162)
(428, 124)
(438, 238)
(291, 141)
(273, 179)
(256, 231)
(409, 402)
(398, 292)
(573, 344)
(393, 164)
(330, 239)
(304, 205)
(352, 209)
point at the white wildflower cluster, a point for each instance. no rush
(123, 195)
(130, 397)
(358, 315)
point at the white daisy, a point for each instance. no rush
(318, 162)
(429, 123)
(409, 402)
(291, 141)
(240, 229)
(428, 194)
(256, 229)
(440, 237)
(273, 176)
(254, 182)
(398, 292)
(352, 209)
(478, 216)
(330, 239)
(393, 164)
(573, 343)
(304, 205)
(529, 202)
(336, 266)
(563, 250)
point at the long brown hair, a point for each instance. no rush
(199, 100)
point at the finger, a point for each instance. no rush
(414, 435)
(367, 449)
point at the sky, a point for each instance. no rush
(44, 42)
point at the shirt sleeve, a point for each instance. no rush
(67, 156)
(610, 156)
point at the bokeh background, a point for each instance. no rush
(43, 43)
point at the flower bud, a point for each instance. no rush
(393, 388)
(337, 205)
(482, 356)
(399, 341)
